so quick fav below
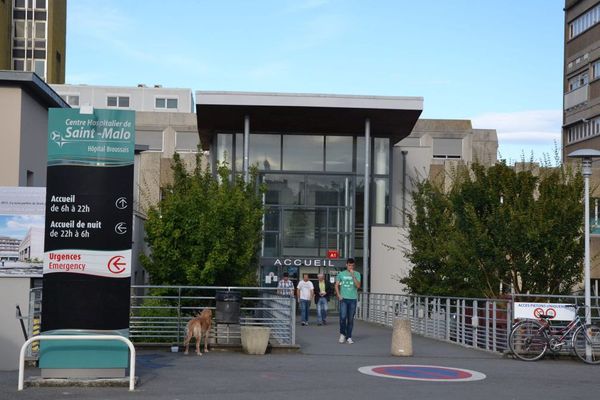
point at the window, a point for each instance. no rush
(117, 101)
(583, 130)
(19, 65)
(40, 68)
(187, 141)
(447, 148)
(71, 99)
(303, 152)
(596, 69)
(168, 103)
(338, 153)
(584, 22)
(265, 151)
(578, 81)
(153, 139)
(40, 30)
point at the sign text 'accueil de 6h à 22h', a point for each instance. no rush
(89, 201)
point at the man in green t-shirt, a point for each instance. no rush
(347, 284)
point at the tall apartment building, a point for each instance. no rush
(581, 118)
(33, 37)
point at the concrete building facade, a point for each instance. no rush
(581, 85)
(433, 150)
(33, 37)
(24, 103)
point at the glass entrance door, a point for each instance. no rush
(307, 215)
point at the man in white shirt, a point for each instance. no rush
(306, 292)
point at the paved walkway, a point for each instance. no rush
(328, 370)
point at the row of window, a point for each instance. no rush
(123, 101)
(275, 152)
(36, 4)
(38, 66)
(583, 130)
(584, 21)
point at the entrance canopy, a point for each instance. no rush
(290, 113)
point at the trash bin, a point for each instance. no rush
(228, 307)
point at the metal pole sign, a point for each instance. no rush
(89, 199)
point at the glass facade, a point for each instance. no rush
(314, 190)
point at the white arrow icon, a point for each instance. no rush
(121, 228)
(121, 203)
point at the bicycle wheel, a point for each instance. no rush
(583, 337)
(527, 341)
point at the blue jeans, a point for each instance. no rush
(304, 307)
(322, 310)
(347, 311)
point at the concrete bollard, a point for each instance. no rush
(402, 338)
(255, 339)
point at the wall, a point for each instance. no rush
(140, 98)
(388, 263)
(10, 115)
(5, 34)
(57, 37)
(34, 141)
(12, 291)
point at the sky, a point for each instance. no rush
(16, 226)
(496, 62)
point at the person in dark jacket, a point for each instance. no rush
(323, 290)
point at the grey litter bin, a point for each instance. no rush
(228, 307)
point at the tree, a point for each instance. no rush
(206, 230)
(496, 228)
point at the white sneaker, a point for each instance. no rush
(342, 339)
(350, 341)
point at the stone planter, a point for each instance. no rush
(255, 339)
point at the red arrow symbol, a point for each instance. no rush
(115, 265)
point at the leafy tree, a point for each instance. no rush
(497, 228)
(206, 230)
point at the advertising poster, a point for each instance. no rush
(21, 228)
(555, 311)
(89, 199)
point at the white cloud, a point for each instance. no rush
(531, 126)
(18, 225)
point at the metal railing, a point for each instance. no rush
(73, 337)
(479, 323)
(161, 313)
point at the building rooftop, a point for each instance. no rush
(34, 85)
(305, 113)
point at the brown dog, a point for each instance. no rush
(196, 327)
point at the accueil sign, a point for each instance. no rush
(302, 262)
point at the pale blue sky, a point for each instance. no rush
(498, 63)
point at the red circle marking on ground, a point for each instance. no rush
(430, 373)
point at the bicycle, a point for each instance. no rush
(529, 339)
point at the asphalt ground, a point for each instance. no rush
(325, 369)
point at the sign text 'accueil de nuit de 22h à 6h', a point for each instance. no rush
(89, 201)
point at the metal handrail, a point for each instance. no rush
(78, 337)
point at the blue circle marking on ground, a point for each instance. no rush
(429, 373)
